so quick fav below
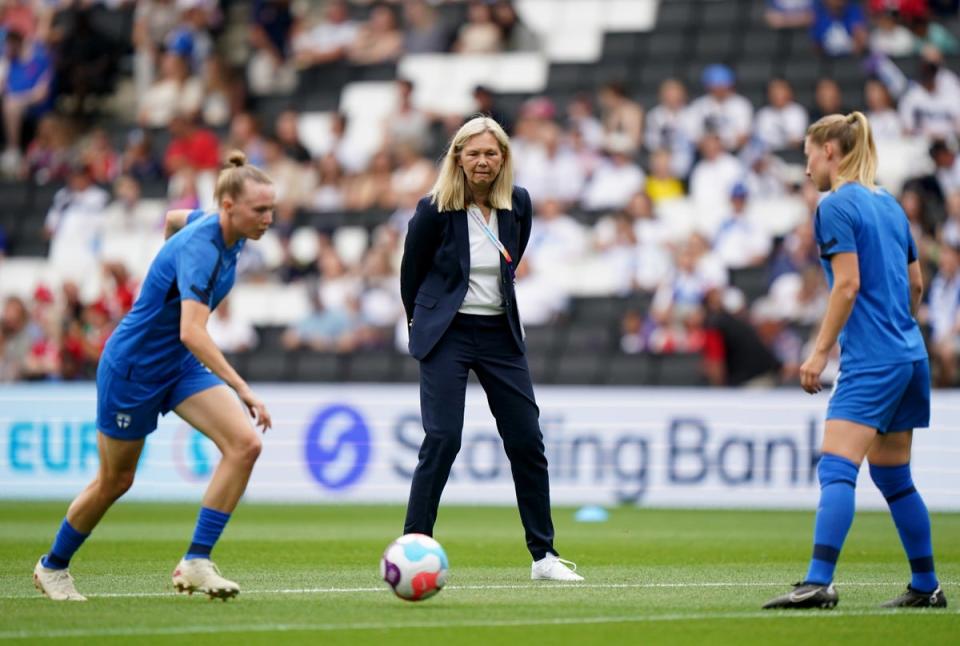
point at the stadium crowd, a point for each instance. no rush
(605, 172)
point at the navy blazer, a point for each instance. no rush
(435, 268)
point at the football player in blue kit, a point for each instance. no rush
(161, 358)
(883, 390)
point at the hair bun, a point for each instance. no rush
(237, 159)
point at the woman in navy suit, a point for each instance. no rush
(456, 281)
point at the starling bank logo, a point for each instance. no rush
(337, 447)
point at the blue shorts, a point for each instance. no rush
(128, 409)
(888, 398)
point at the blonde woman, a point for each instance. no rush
(161, 358)
(456, 282)
(883, 390)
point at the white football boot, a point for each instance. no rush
(56, 584)
(553, 568)
(202, 575)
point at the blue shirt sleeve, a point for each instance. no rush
(836, 227)
(193, 216)
(197, 266)
(912, 253)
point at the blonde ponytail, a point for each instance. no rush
(855, 139)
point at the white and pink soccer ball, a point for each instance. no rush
(415, 567)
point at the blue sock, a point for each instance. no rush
(838, 482)
(912, 521)
(210, 524)
(65, 545)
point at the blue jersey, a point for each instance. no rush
(194, 264)
(881, 329)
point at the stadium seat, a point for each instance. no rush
(264, 365)
(667, 45)
(586, 338)
(375, 366)
(596, 310)
(409, 369)
(714, 47)
(849, 74)
(675, 15)
(541, 365)
(541, 338)
(681, 369)
(760, 44)
(622, 46)
(752, 281)
(629, 369)
(314, 366)
(726, 16)
(578, 368)
(629, 15)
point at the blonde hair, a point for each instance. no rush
(852, 133)
(449, 192)
(231, 180)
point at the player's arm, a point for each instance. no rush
(174, 221)
(194, 335)
(916, 286)
(846, 286)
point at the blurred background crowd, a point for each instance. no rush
(661, 143)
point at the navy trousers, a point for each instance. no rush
(485, 345)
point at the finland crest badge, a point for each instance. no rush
(124, 420)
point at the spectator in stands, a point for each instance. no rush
(325, 330)
(293, 181)
(550, 169)
(138, 159)
(379, 40)
(191, 147)
(615, 246)
(782, 123)
(413, 174)
(839, 28)
(620, 114)
(942, 314)
(889, 36)
(99, 156)
(486, 103)
(353, 157)
(329, 41)
(224, 93)
(800, 298)
(668, 126)
(931, 105)
(932, 34)
(583, 123)
(885, 122)
(796, 253)
(827, 99)
(662, 184)
(407, 124)
(25, 88)
(652, 261)
(676, 313)
(480, 34)
(230, 333)
(735, 355)
(245, 136)
(74, 223)
(556, 239)
(767, 174)
(48, 155)
(191, 37)
(541, 298)
(516, 35)
(287, 131)
(379, 300)
(128, 212)
(950, 233)
(788, 14)
(617, 178)
(43, 360)
(721, 111)
(712, 181)
(372, 188)
(947, 166)
(153, 20)
(176, 93)
(86, 58)
(424, 33)
(328, 193)
(15, 339)
(271, 30)
(739, 242)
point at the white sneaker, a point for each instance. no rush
(554, 568)
(56, 584)
(202, 575)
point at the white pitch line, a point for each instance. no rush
(502, 623)
(492, 586)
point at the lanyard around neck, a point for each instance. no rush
(474, 212)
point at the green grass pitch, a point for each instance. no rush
(309, 574)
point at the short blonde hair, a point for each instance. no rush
(449, 192)
(852, 133)
(234, 175)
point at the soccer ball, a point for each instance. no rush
(414, 566)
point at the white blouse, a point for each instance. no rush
(483, 291)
